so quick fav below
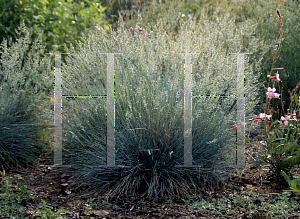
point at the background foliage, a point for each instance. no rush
(60, 21)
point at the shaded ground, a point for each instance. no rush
(52, 187)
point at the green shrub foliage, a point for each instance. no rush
(60, 21)
(149, 106)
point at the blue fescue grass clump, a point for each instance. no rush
(149, 109)
(24, 78)
(17, 133)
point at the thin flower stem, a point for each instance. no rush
(274, 61)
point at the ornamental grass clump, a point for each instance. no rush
(23, 78)
(149, 108)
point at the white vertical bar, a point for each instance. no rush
(240, 112)
(188, 158)
(188, 150)
(57, 112)
(110, 135)
(110, 111)
(240, 153)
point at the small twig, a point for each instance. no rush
(250, 155)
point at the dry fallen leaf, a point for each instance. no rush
(101, 213)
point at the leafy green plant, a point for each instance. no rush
(59, 21)
(46, 212)
(149, 109)
(9, 21)
(283, 152)
(294, 183)
(10, 202)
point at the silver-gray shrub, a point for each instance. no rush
(149, 107)
(24, 78)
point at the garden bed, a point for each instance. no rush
(245, 193)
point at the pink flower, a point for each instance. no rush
(131, 28)
(135, 36)
(271, 93)
(294, 115)
(261, 116)
(256, 120)
(276, 95)
(271, 89)
(276, 76)
(285, 120)
(142, 32)
(268, 117)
